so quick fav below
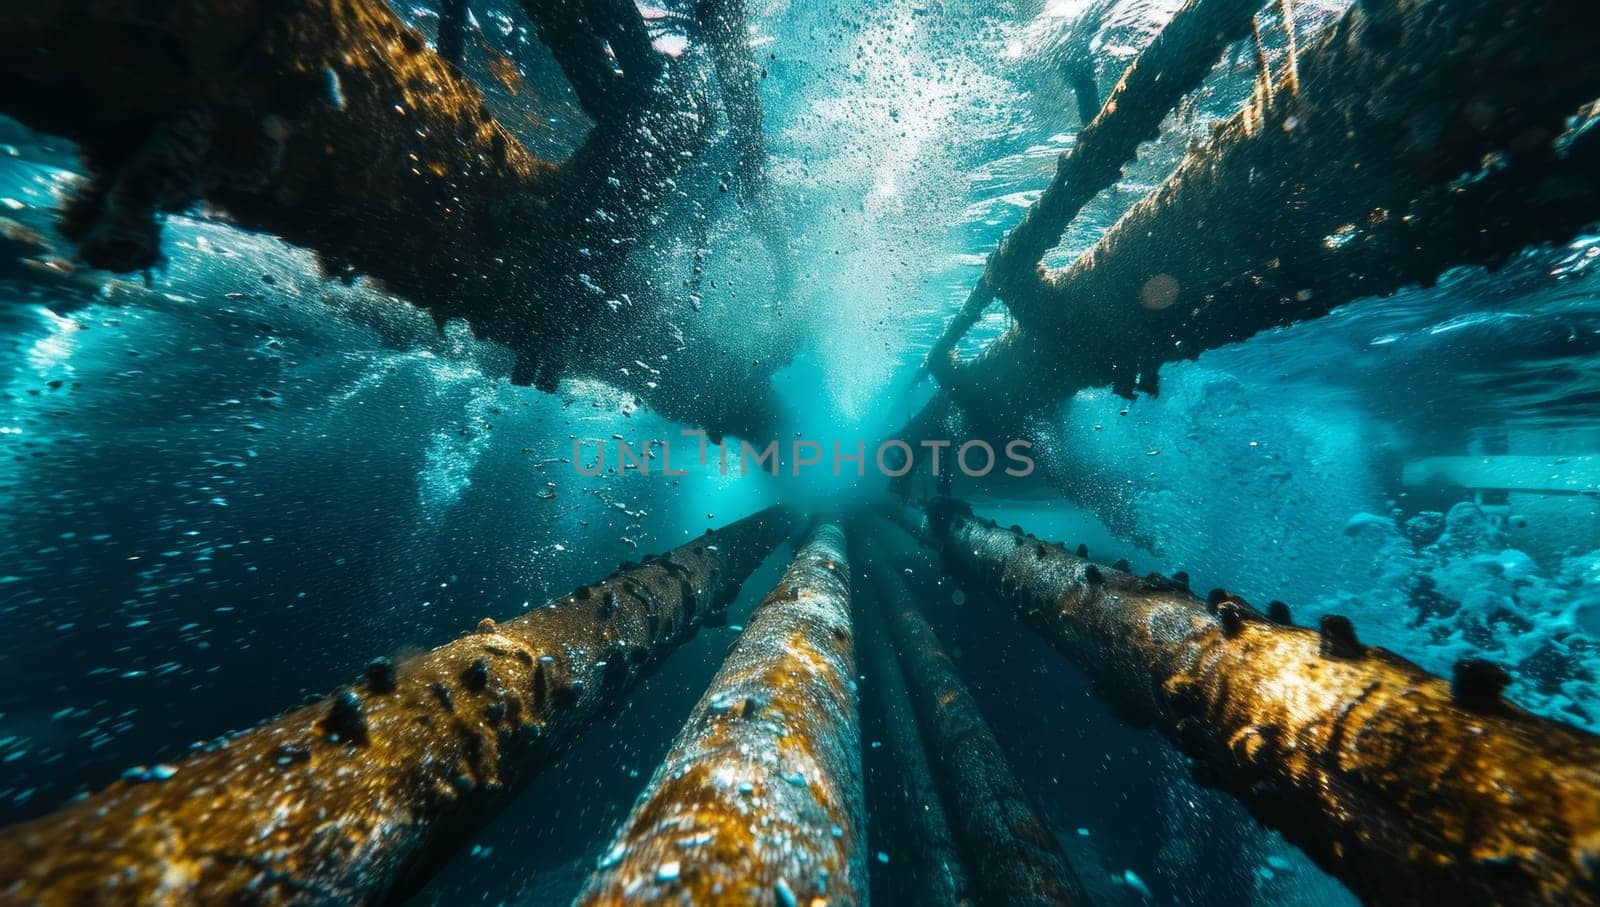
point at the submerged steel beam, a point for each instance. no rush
(1424, 135)
(1172, 66)
(333, 125)
(759, 800)
(328, 122)
(1407, 787)
(933, 865)
(1011, 852)
(362, 794)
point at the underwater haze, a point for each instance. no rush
(240, 464)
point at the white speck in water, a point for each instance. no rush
(612, 857)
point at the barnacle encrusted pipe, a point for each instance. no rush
(1009, 849)
(334, 126)
(1173, 65)
(1408, 787)
(1331, 191)
(358, 797)
(932, 869)
(328, 122)
(759, 800)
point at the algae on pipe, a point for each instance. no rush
(759, 800)
(1407, 787)
(359, 797)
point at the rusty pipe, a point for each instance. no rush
(362, 794)
(759, 800)
(1012, 853)
(1407, 787)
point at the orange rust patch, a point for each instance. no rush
(761, 792)
(1367, 762)
(302, 804)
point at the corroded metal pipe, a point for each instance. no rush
(361, 795)
(327, 122)
(1407, 787)
(1174, 64)
(936, 874)
(759, 800)
(1324, 195)
(332, 125)
(1010, 850)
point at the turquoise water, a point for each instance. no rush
(229, 483)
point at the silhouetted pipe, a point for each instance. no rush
(1009, 849)
(759, 800)
(363, 794)
(1085, 92)
(1407, 787)
(590, 40)
(932, 862)
(1079, 55)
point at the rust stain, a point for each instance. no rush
(1386, 776)
(341, 800)
(759, 800)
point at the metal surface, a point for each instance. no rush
(1408, 787)
(347, 799)
(759, 800)
(1009, 850)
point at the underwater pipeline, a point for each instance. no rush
(1408, 787)
(909, 804)
(362, 795)
(1011, 852)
